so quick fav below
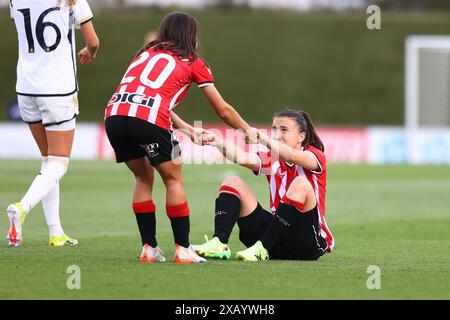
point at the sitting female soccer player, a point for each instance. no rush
(295, 167)
(139, 126)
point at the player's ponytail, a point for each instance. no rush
(305, 125)
(312, 138)
(68, 3)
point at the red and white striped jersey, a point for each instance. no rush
(155, 82)
(280, 175)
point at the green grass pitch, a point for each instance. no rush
(395, 217)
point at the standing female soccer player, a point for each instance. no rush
(295, 167)
(139, 126)
(47, 95)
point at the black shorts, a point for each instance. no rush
(301, 242)
(133, 138)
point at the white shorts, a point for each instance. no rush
(51, 111)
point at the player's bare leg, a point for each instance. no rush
(60, 143)
(144, 175)
(301, 191)
(178, 211)
(40, 136)
(144, 209)
(171, 173)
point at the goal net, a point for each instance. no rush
(427, 86)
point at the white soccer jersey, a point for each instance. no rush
(47, 57)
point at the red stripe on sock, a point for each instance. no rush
(231, 190)
(144, 207)
(178, 211)
(300, 206)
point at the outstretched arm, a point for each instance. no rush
(228, 114)
(232, 152)
(306, 159)
(180, 124)
(205, 137)
(193, 133)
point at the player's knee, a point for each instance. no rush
(299, 187)
(301, 183)
(172, 182)
(234, 182)
(171, 176)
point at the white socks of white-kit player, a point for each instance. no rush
(45, 187)
(50, 203)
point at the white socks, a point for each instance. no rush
(50, 203)
(45, 187)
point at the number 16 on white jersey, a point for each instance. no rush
(47, 56)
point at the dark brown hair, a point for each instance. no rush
(305, 125)
(179, 33)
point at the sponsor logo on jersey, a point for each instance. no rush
(132, 98)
